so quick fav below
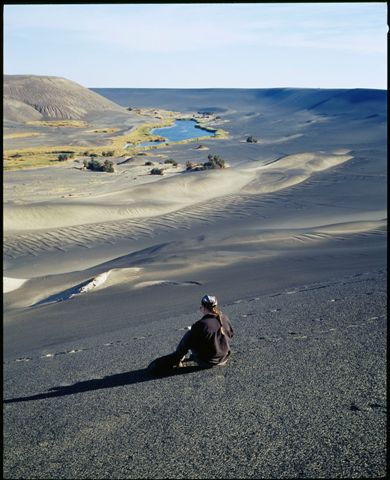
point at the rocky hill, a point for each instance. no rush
(31, 97)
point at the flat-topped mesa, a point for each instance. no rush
(31, 97)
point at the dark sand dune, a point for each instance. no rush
(302, 397)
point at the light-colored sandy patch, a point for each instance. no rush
(201, 147)
(341, 151)
(94, 284)
(290, 236)
(11, 284)
(352, 227)
(291, 170)
(42, 291)
(276, 141)
(108, 279)
(163, 196)
(123, 275)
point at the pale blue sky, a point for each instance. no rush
(318, 45)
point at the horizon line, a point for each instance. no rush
(241, 88)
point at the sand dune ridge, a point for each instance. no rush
(170, 194)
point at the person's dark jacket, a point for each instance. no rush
(206, 341)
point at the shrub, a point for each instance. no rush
(93, 154)
(251, 139)
(96, 166)
(65, 156)
(148, 164)
(214, 161)
(171, 161)
(108, 154)
(108, 166)
(194, 167)
(208, 166)
(156, 171)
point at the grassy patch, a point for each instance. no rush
(136, 136)
(58, 123)
(20, 135)
(103, 130)
(34, 156)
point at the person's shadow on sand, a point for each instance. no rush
(111, 381)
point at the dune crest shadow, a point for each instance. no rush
(111, 381)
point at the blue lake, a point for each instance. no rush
(181, 130)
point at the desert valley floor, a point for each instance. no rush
(104, 271)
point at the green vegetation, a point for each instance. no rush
(105, 130)
(148, 164)
(34, 156)
(157, 171)
(214, 162)
(96, 166)
(171, 161)
(62, 157)
(58, 123)
(21, 135)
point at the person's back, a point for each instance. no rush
(208, 340)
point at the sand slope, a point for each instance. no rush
(33, 97)
(170, 194)
(304, 395)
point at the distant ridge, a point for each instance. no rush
(32, 97)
